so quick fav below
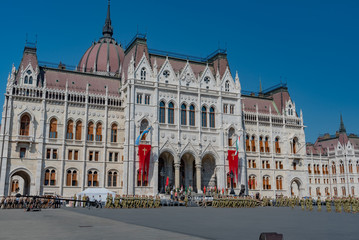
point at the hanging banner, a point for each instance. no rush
(144, 153)
(233, 163)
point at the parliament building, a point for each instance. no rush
(64, 130)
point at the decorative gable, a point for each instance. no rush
(143, 70)
(166, 73)
(207, 79)
(187, 76)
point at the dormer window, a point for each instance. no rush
(226, 87)
(166, 73)
(143, 74)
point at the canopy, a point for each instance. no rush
(99, 194)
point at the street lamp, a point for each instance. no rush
(232, 176)
(162, 173)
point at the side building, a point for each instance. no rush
(333, 165)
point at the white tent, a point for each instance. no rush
(99, 194)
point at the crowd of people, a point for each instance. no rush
(29, 203)
(127, 201)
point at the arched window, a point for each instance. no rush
(248, 147)
(71, 178)
(294, 145)
(99, 132)
(309, 169)
(344, 192)
(341, 167)
(226, 86)
(261, 147)
(171, 113)
(192, 118)
(30, 80)
(253, 143)
(204, 116)
(279, 183)
(318, 191)
(78, 130)
(50, 177)
(252, 182)
(143, 127)
(335, 191)
(26, 80)
(53, 128)
(143, 74)
(142, 180)
(92, 179)
(277, 147)
(266, 184)
(266, 145)
(230, 136)
(350, 167)
(14, 186)
(112, 179)
(183, 114)
(70, 129)
(353, 191)
(90, 131)
(334, 168)
(212, 119)
(357, 166)
(162, 112)
(25, 125)
(114, 133)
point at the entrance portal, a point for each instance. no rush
(208, 172)
(165, 169)
(295, 188)
(187, 172)
(19, 183)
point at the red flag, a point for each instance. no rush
(144, 153)
(233, 163)
(167, 181)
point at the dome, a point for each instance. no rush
(105, 56)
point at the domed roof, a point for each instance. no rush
(105, 56)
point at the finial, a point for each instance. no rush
(107, 30)
(342, 127)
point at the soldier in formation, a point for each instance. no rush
(136, 201)
(35, 202)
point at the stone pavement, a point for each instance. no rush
(176, 223)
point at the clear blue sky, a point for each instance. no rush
(311, 44)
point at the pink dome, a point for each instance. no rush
(104, 57)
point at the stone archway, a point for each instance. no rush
(165, 169)
(19, 182)
(208, 175)
(295, 188)
(187, 171)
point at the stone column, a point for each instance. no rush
(177, 174)
(198, 177)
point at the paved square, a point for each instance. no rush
(176, 223)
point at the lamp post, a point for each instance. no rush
(232, 176)
(162, 173)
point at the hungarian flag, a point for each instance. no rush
(144, 153)
(233, 163)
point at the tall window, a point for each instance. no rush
(114, 133)
(252, 182)
(25, 125)
(341, 167)
(253, 143)
(99, 132)
(112, 179)
(279, 183)
(294, 145)
(277, 148)
(142, 180)
(248, 147)
(143, 127)
(92, 179)
(71, 178)
(204, 116)
(266, 185)
(309, 169)
(350, 167)
(334, 168)
(171, 113)
(143, 74)
(212, 119)
(192, 117)
(266, 145)
(183, 114)
(78, 130)
(53, 128)
(261, 147)
(230, 137)
(50, 177)
(162, 112)
(70, 129)
(225, 108)
(227, 86)
(90, 131)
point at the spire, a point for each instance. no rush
(342, 127)
(260, 85)
(107, 30)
